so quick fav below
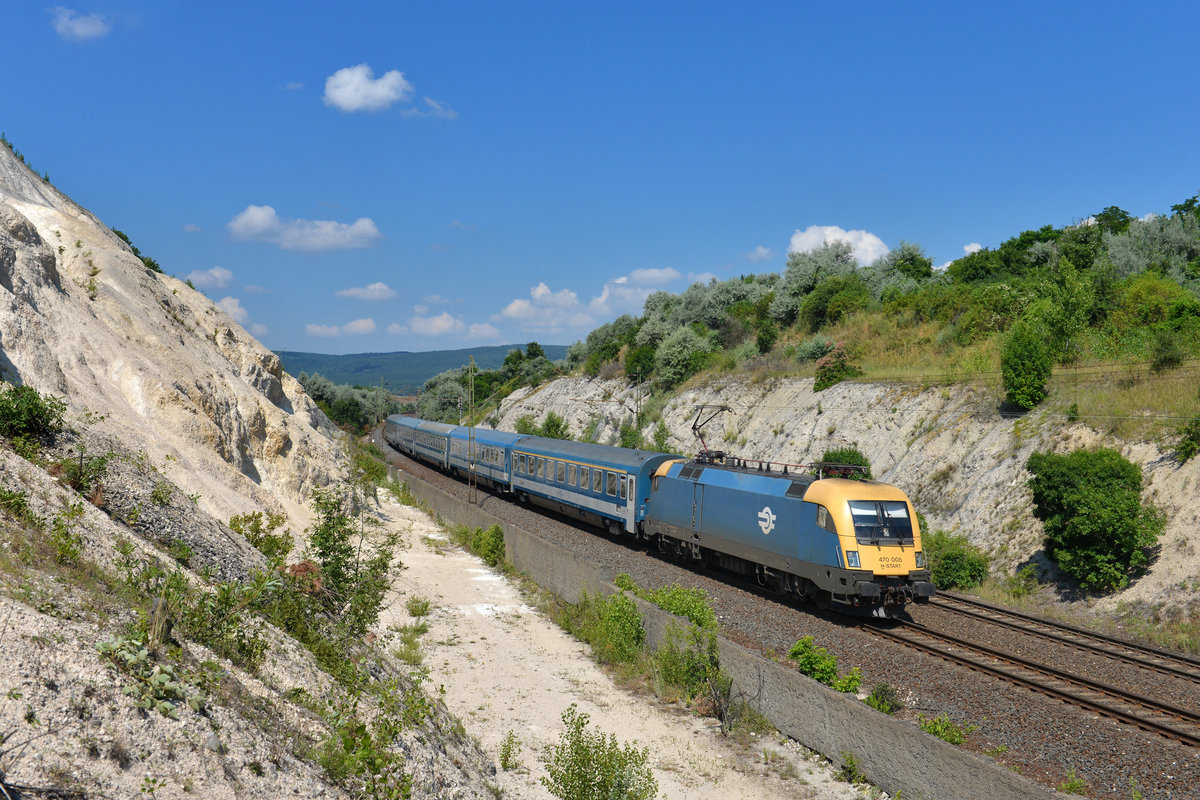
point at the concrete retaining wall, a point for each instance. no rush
(893, 755)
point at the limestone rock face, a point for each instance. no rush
(961, 463)
(175, 377)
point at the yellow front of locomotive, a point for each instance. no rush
(878, 534)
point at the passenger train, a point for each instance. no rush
(851, 545)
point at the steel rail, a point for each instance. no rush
(1074, 698)
(1134, 656)
(1147, 649)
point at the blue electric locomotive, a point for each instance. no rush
(851, 544)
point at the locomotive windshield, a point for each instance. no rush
(881, 521)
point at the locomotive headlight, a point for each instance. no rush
(852, 559)
(920, 559)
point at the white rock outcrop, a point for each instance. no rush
(957, 457)
(172, 374)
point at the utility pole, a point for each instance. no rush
(472, 489)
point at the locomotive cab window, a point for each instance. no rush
(881, 521)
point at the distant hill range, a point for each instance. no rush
(403, 372)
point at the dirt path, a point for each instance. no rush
(506, 667)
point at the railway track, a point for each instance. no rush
(1165, 662)
(1100, 697)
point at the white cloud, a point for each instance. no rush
(395, 329)
(758, 254)
(441, 325)
(973, 247)
(1149, 216)
(233, 307)
(359, 326)
(440, 300)
(192, 227)
(701, 277)
(867, 246)
(255, 289)
(72, 27)
(482, 330)
(293, 86)
(352, 328)
(260, 223)
(653, 277)
(259, 329)
(215, 278)
(459, 225)
(374, 291)
(433, 108)
(357, 89)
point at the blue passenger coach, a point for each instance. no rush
(428, 440)
(609, 486)
(493, 455)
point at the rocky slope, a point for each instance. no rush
(82, 318)
(193, 421)
(961, 462)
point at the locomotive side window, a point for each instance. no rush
(824, 520)
(597, 481)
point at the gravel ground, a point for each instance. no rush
(1037, 736)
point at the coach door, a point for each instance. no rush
(630, 504)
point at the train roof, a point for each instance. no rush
(486, 436)
(589, 451)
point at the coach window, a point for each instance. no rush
(597, 481)
(612, 483)
(584, 478)
(621, 486)
(570, 474)
(562, 472)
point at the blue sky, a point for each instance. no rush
(402, 176)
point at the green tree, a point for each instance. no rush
(681, 355)
(639, 363)
(1025, 366)
(1096, 527)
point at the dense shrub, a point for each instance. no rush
(1095, 525)
(832, 299)
(682, 354)
(850, 455)
(833, 368)
(820, 664)
(587, 765)
(1025, 366)
(885, 698)
(25, 412)
(813, 348)
(954, 562)
(1189, 440)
